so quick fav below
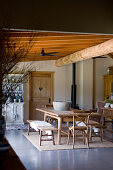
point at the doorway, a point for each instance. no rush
(41, 93)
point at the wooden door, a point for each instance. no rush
(41, 93)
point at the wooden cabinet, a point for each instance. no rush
(13, 109)
(108, 86)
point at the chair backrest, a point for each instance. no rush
(71, 118)
(49, 105)
(81, 116)
(95, 116)
(79, 111)
(100, 104)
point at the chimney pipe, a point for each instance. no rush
(73, 88)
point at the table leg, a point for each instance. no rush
(59, 130)
(103, 121)
(73, 131)
(45, 117)
(28, 128)
(68, 132)
(90, 132)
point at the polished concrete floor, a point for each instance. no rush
(78, 159)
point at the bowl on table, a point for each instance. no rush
(61, 105)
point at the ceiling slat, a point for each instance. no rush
(63, 43)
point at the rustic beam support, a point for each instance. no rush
(94, 51)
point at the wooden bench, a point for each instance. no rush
(42, 127)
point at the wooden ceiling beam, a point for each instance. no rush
(98, 50)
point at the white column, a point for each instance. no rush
(85, 84)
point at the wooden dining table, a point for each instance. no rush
(61, 116)
(107, 112)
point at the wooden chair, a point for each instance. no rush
(70, 119)
(49, 119)
(75, 128)
(49, 105)
(96, 124)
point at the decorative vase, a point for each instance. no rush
(2, 127)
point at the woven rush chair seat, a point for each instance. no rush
(42, 126)
(92, 122)
(82, 128)
(96, 124)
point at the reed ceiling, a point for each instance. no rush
(62, 43)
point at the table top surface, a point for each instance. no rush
(69, 113)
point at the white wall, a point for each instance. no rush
(62, 76)
(87, 84)
(84, 79)
(62, 80)
(79, 83)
